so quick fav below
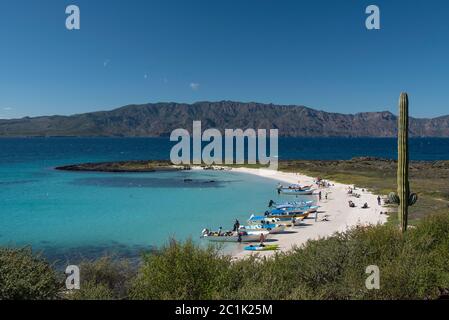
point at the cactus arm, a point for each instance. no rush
(412, 199)
(394, 198)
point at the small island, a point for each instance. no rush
(126, 166)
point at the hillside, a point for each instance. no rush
(159, 119)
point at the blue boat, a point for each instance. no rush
(278, 213)
(287, 204)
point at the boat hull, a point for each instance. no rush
(284, 216)
(290, 210)
(299, 204)
(273, 229)
(296, 192)
(287, 222)
(250, 237)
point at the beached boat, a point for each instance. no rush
(288, 222)
(276, 213)
(303, 215)
(262, 247)
(289, 204)
(234, 236)
(294, 187)
(270, 227)
(309, 209)
(296, 192)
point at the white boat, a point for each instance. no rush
(309, 209)
(294, 186)
(290, 204)
(287, 222)
(235, 236)
(270, 227)
(296, 192)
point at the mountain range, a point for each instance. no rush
(159, 119)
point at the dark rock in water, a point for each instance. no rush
(124, 166)
(188, 180)
(144, 182)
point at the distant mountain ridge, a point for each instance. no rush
(159, 119)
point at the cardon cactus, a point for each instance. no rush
(403, 197)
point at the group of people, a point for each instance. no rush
(352, 205)
(351, 192)
(322, 183)
(365, 206)
(320, 196)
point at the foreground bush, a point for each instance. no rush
(182, 271)
(26, 276)
(104, 279)
(412, 266)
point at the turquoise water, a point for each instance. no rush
(69, 214)
(66, 214)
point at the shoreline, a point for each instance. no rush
(335, 209)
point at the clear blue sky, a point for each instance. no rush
(315, 53)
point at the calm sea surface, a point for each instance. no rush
(65, 214)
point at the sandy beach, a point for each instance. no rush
(335, 210)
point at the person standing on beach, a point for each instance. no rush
(262, 239)
(379, 200)
(319, 196)
(236, 225)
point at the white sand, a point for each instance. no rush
(335, 209)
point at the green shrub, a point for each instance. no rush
(413, 265)
(104, 279)
(182, 271)
(24, 276)
(92, 291)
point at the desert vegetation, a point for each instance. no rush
(412, 265)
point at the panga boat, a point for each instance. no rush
(290, 204)
(294, 187)
(288, 222)
(296, 192)
(277, 213)
(270, 227)
(262, 247)
(309, 209)
(234, 236)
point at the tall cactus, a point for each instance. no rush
(403, 197)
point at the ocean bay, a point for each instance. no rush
(63, 213)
